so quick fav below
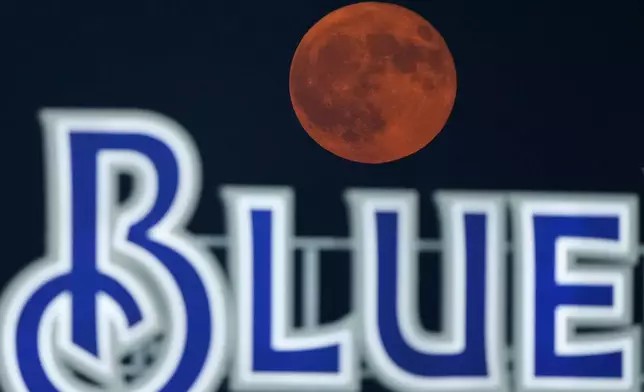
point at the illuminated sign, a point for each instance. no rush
(125, 281)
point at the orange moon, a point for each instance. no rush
(372, 82)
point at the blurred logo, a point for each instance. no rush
(127, 300)
(123, 300)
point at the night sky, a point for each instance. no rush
(549, 98)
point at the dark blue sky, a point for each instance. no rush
(549, 92)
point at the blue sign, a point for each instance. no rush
(126, 299)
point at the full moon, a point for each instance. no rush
(372, 82)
